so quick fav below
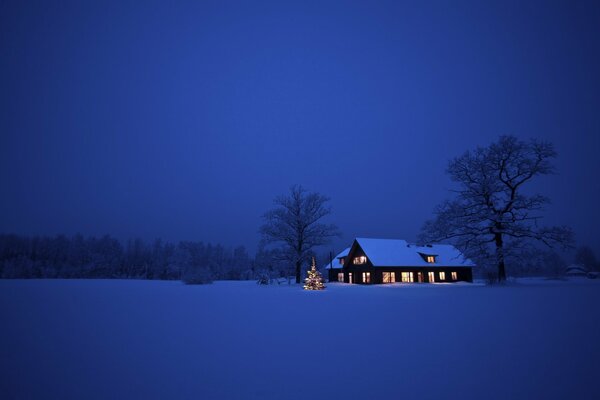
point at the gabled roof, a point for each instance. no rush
(336, 260)
(395, 252)
(575, 269)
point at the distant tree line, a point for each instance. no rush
(291, 231)
(106, 257)
(539, 261)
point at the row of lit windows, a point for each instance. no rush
(406, 277)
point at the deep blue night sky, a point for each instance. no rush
(184, 119)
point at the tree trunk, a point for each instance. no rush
(500, 257)
(298, 271)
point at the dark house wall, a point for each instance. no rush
(333, 274)
(356, 269)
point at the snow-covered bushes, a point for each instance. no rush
(263, 277)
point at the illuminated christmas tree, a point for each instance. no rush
(314, 280)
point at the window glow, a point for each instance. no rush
(341, 261)
(340, 277)
(419, 277)
(442, 276)
(389, 277)
(431, 276)
(349, 277)
(407, 277)
(360, 260)
(366, 277)
(431, 259)
(454, 276)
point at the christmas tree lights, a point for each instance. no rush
(314, 280)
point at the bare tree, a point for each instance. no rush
(490, 209)
(294, 223)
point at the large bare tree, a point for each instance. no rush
(490, 207)
(295, 224)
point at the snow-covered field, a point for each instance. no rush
(102, 339)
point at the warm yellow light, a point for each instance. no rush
(389, 277)
(366, 277)
(313, 281)
(431, 276)
(360, 260)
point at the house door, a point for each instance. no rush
(349, 277)
(420, 277)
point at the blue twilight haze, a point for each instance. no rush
(183, 120)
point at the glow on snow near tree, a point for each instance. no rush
(314, 280)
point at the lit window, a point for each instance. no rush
(360, 260)
(349, 277)
(442, 276)
(407, 277)
(419, 277)
(389, 277)
(366, 277)
(431, 276)
(341, 261)
(454, 276)
(431, 259)
(340, 277)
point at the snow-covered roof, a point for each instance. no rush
(395, 252)
(336, 260)
(575, 269)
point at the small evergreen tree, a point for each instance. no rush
(314, 280)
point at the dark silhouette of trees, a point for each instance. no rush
(106, 257)
(585, 256)
(295, 224)
(491, 213)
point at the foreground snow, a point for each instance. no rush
(236, 340)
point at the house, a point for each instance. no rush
(373, 261)
(334, 268)
(576, 270)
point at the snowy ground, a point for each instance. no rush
(107, 339)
